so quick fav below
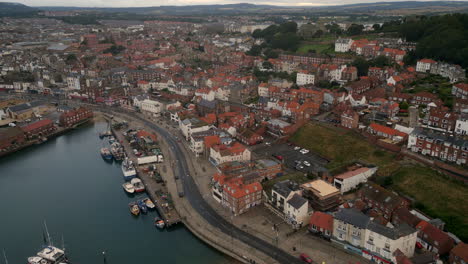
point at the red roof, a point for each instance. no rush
(387, 130)
(36, 125)
(237, 190)
(463, 86)
(461, 251)
(212, 140)
(322, 220)
(143, 133)
(432, 234)
(427, 61)
(350, 174)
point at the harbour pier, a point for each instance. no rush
(157, 192)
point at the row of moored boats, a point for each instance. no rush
(132, 184)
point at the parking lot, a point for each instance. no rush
(291, 157)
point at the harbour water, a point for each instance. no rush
(66, 183)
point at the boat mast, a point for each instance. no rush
(63, 243)
(49, 240)
(4, 256)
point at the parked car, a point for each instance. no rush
(304, 151)
(306, 163)
(279, 157)
(299, 167)
(297, 148)
(304, 257)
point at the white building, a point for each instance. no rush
(343, 45)
(151, 107)
(351, 179)
(192, 125)
(461, 126)
(304, 78)
(137, 100)
(263, 90)
(385, 240)
(220, 154)
(222, 93)
(286, 199)
(73, 83)
(205, 94)
(424, 65)
(380, 242)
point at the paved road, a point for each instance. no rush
(205, 210)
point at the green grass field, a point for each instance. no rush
(342, 147)
(319, 48)
(436, 195)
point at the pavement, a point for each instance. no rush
(248, 240)
(259, 221)
(258, 250)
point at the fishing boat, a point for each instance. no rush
(128, 170)
(104, 134)
(142, 206)
(134, 209)
(128, 187)
(159, 223)
(149, 203)
(106, 154)
(111, 140)
(117, 151)
(138, 185)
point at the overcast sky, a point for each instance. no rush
(138, 3)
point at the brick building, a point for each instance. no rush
(236, 195)
(433, 239)
(460, 90)
(39, 129)
(75, 116)
(443, 147)
(441, 120)
(459, 254)
(350, 119)
(381, 200)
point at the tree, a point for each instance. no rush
(380, 61)
(404, 105)
(114, 49)
(334, 29)
(271, 54)
(286, 41)
(71, 58)
(288, 27)
(362, 66)
(267, 65)
(318, 33)
(354, 29)
(410, 58)
(255, 50)
(257, 33)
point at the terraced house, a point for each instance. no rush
(443, 147)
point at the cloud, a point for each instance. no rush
(143, 3)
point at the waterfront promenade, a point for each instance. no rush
(207, 220)
(196, 175)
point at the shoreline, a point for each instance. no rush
(60, 131)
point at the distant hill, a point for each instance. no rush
(400, 8)
(16, 9)
(378, 8)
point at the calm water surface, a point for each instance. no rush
(66, 183)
